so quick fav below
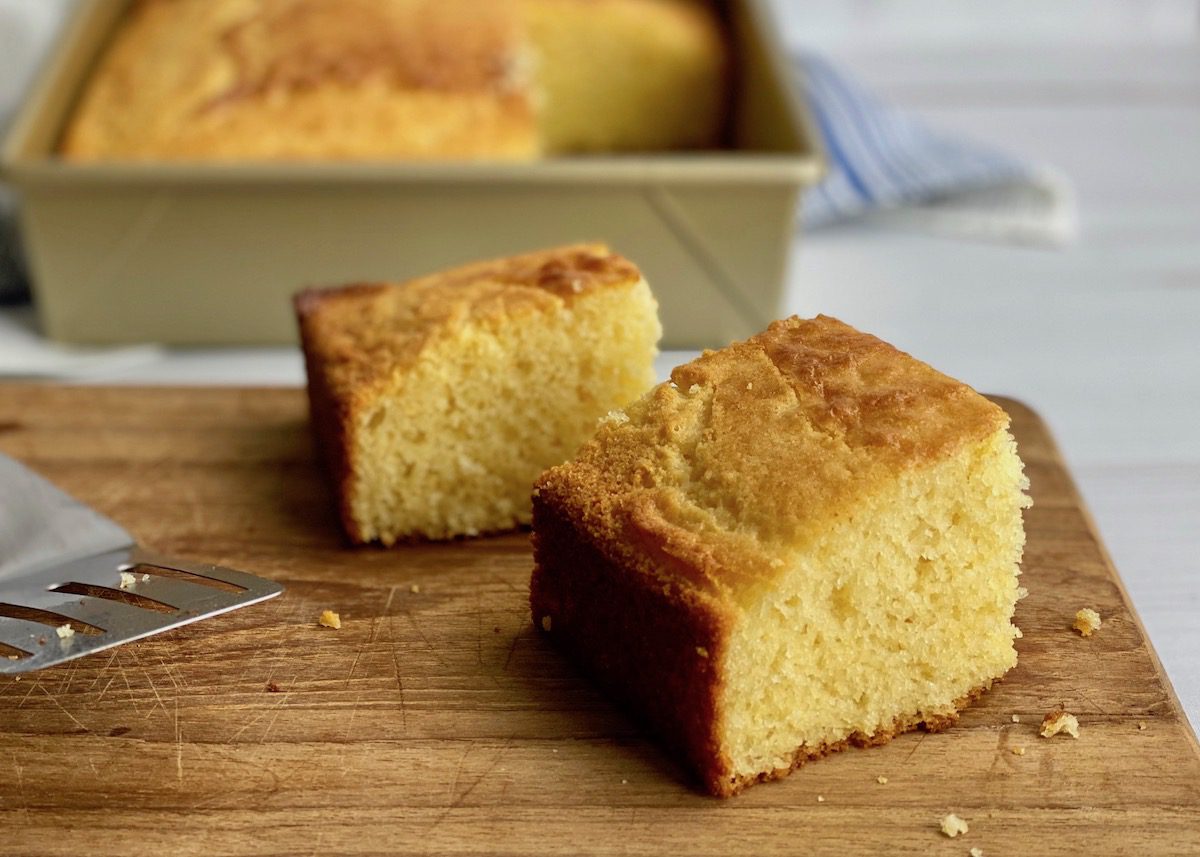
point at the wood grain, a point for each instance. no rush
(437, 721)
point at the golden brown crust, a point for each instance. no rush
(358, 337)
(363, 333)
(188, 79)
(830, 413)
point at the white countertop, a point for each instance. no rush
(1101, 337)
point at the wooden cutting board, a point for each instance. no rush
(437, 721)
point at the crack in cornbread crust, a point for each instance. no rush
(360, 337)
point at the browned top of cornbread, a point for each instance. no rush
(309, 78)
(749, 450)
(363, 333)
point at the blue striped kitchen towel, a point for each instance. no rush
(888, 166)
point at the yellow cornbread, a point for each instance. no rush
(402, 79)
(438, 401)
(803, 541)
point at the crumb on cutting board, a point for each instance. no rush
(329, 619)
(127, 580)
(1016, 718)
(976, 852)
(1087, 621)
(1018, 751)
(953, 826)
(415, 589)
(881, 779)
(1059, 721)
(1141, 727)
(65, 632)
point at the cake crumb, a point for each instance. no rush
(145, 578)
(14, 657)
(820, 798)
(953, 826)
(701, 651)
(1141, 727)
(882, 780)
(127, 580)
(1059, 721)
(1016, 718)
(65, 632)
(1018, 751)
(624, 782)
(329, 619)
(415, 589)
(546, 624)
(976, 852)
(1087, 621)
(749, 385)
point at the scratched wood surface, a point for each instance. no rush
(437, 721)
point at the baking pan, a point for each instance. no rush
(196, 254)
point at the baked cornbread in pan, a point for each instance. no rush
(403, 79)
(803, 541)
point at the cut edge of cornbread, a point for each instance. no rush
(438, 401)
(687, 557)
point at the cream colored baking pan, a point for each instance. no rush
(210, 253)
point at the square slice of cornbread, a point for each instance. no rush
(803, 541)
(437, 402)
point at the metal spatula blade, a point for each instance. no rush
(179, 600)
(65, 566)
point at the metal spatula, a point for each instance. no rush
(72, 582)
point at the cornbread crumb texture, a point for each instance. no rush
(127, 580)
(1016, 718)
(329, 619)
(976, 852)
(439, 401)
(1087, 622)
(65, 632)
(1018, 751)
(414, 79)
(1059, 721)
(882, 780)
(837, 524)
(953, 826)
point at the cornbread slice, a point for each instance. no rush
(803, 541)
(437, 402)
(402, 79)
